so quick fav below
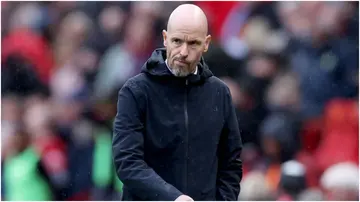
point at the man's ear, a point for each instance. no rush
(207, 43)
(164, 33)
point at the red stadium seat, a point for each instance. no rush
(340, 140)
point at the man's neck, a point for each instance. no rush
(195, 72)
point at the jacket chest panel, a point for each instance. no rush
(180, 116)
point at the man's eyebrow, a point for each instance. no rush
(194, 40)
(176, 37)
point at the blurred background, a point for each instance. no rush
(292, 68)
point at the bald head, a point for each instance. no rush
(188, 16)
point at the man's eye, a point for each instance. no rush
(177, 41)
(194, 43)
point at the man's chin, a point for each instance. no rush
(180, 73)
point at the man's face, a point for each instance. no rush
(184, 48)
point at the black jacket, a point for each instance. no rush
(176, 136)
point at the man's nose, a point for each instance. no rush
(184, 50)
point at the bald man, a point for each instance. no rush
(176, 135)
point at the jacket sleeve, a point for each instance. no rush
(128, 152)
(230, 166)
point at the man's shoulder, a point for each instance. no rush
(136, 80)
(136, 83)
(217, 82)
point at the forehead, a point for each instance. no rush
(187, 30)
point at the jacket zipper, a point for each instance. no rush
(186, 136)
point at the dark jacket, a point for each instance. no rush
(176, 136)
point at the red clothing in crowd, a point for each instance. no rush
(217, 12)
(31, 47)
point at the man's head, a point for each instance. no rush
(186, 39)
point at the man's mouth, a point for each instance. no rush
(182, 62)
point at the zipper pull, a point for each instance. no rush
(186, 82)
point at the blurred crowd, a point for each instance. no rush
(292, 68)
